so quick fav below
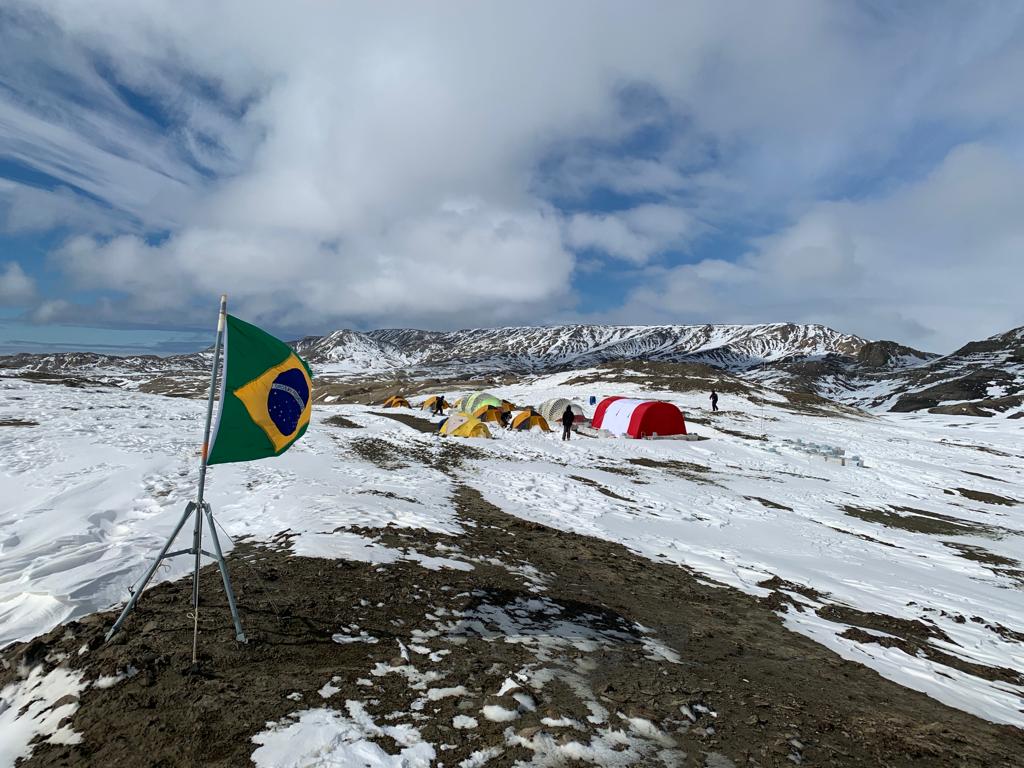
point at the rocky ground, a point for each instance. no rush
(552, 646)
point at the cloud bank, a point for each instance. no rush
(459, 164)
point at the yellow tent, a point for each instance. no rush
(507, 406)
(431, 402)
(527, 420)
(396, 402)
(488, 413)
(464, 425)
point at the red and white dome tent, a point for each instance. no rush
(639, 418)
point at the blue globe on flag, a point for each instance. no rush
(287, 400)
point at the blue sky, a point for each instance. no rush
(477, 164)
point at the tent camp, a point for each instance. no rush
(639, 418)
(396, 402)
(490, 413)
(431, 402)
(527, 420)
(471, 403)
(552, 410)
(463, 425)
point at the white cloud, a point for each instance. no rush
(466, 261)
(320, 156)
(635, 235)
(16, 288)
(930, 263)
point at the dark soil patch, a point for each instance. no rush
(737, 433)
(388, 495)
(864, 537)
(916, 522)
(982, 448)
(617, 470)
(378, 451)
(18, 423)
(778, 600)
(599, 488)
(978, 474)
(913, 648)
(45, 377)
(671, 465)
(341, 421)
(1004, 566)
(416, 422)
(986, 498)
(979, 555)
(909, 629)
(768, 503)
(913, 637)
(698, 473)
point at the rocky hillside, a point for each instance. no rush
(983, 378)
(578, 346)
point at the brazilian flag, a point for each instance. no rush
(266, 393)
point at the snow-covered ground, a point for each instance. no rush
(96, 481)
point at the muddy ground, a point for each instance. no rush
(606, 648)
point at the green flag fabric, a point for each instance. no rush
(265, 396)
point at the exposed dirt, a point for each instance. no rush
(917, 521)
(979, 474)
(985, 497)
(421, 423)
(698, 473)
(768, 503)
(587, 621)
(1004, 566)
(599, 488)
(341, 421)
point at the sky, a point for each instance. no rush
(471, 164)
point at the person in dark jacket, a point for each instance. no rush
(714, 400)
(568, 419)
(439, 406)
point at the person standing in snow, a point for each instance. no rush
(714, 401)
(568, 419)
(439, 406)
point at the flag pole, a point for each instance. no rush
(199, 508)
(197, 531)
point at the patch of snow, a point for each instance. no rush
(27, 711)
(498, 714)
(325, 738)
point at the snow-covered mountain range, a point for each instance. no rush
(574, 346)
(982, 378)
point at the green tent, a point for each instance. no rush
(471, 403)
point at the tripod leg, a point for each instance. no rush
(189, 509)
(197, 545)
(239, 634)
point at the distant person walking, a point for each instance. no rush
(568, 419)
(439, 406)
(714, 401)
